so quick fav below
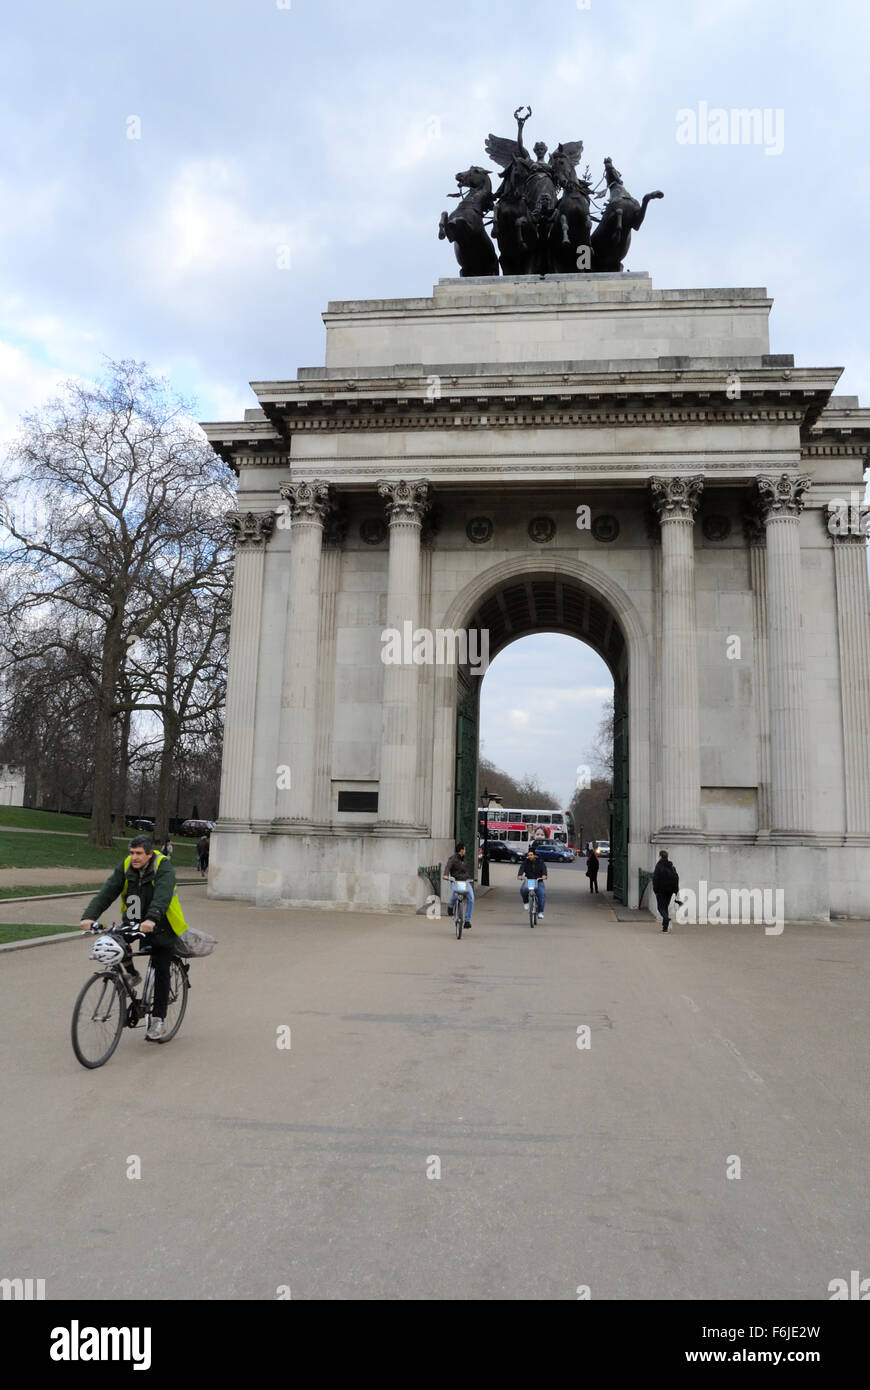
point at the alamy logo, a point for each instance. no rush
(446, 646)
(714, 907)
(22, 1288)
(855, 1288)
(76, 1343)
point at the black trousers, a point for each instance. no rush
(593, 882)
(161, 957)
(662, 903)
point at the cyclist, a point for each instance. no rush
(146, 885)
(533, 867)
(458, 867)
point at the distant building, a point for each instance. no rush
(11, 785)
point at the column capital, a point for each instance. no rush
(676, 499)
(781, 497)
(845, 523)
(308, 501)
(251, 528)
(405, 502)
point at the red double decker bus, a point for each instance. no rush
(522, 825)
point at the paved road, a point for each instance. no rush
(559, 1167)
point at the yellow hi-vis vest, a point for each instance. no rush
(174, 914)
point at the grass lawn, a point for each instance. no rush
(25, 819)
(16, 931)
(68, 851)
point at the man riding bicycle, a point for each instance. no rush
(457, 867)
(533, 867)
(146, 885)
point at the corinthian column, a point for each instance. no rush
(853, 623)
(252, 531)
(397, 798)
(676, 501)
(755, 533)
(780, 502)
(310, 504)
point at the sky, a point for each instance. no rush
(190, 183)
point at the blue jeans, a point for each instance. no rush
(470, 902)
(539, 889)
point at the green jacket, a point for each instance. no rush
(154, 886)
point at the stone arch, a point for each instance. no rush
(460, 612)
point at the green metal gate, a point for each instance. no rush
(465, 818)
(619, 842)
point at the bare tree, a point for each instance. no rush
(600, 755)
(129, 482)
(182, 666)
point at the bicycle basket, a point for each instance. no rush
(194, 942)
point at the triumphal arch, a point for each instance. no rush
(431, 473)
(573, 452)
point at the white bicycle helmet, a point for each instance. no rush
(108, 950)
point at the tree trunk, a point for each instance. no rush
(123, 776)
(164, 780)
(101, 814)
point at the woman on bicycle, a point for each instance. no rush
(146, 885)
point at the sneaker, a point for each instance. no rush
(450, 912)
(467, 925)
(540, 916)
(526, 906)
(157, 1029)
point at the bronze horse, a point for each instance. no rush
(622, 216)
(465, 228)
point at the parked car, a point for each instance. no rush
(554, 851)
(602, 847)
(500, 852)
(143, 824)
(197, 827)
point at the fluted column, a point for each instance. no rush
(780, 504)
(310, 504)
(676, 501)
(754, 531)
(853, 625)
(252, 531)
(397, 798)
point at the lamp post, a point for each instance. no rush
(487, 798)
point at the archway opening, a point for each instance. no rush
(532, 605)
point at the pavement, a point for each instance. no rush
(706, 1139)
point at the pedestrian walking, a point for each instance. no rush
(592, 864)
(202, 848)
(666, 883)
(166, 848)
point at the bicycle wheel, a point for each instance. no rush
(98, 1018)
(178, 987)
(459, 915)
(177, 1003)
(533, 908)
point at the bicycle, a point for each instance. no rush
(461, 904)
(108, 1002)
(532, 884)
